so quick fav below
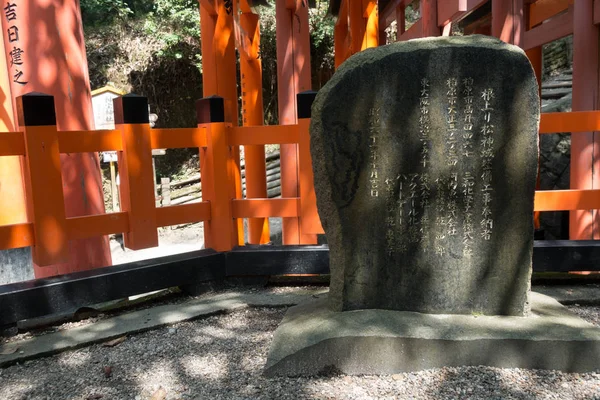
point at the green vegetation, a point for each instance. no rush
(152, 48)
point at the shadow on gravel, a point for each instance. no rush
(220, 357)
(488, 383)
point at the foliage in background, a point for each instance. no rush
(176, 22)
(268, 53)
(101, 12)
(321, 44)
(152, 48)
(321, 52)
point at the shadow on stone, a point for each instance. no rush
(312, 340)
(425, 157)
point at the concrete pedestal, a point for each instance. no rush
(312, 339)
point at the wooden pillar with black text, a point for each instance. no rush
(45, 52)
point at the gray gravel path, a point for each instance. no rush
(589, 313)
(221, 357)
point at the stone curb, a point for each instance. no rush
(144, 320)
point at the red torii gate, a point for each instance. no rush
(45, 52)
(227, 24)
(219, 31)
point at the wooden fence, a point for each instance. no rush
(190, 189)
(41, 144)
(49, 230)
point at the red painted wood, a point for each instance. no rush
(341, 35)
(597, 12)
(547, 32)
(502, 20)
(413, 32)
(177, 138)
(582, 121)
(264, 208)
(429, 24)
(53, 61)
(261, 135)
(11, 144)
(371, 38)
(542, 10)
(221, 230)
(219, 77)
(585, 147)
(94, 225)
(388, 14)
(310, 220)
(16, 235)
(519, 22)
(46, 201)
(293, 72)
(448, 10)
(535, 56)
(556, 200)
(357, 26)
(90, 141)
(13, 205)
(136, 190)
(401, 19)
(252, 115)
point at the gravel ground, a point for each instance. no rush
(221, 357)
(169, 296)
(589, 313)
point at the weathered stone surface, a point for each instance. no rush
(312, 338)
(425, 161)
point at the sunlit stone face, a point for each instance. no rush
(425, 159)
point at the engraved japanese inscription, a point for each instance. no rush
(409, 213)
(425, 159)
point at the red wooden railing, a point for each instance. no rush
(49, 231)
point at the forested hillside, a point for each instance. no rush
(152, 48)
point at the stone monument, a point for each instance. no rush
(425, 159)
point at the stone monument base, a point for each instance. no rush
(312, 340)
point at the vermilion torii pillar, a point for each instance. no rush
(252, 115)
(341, 35)
(17, 262)
(219, 74)
(45, 52)
(509, 23)
(12, 194)
(356, 29)
(585, 147)
(293, 77)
